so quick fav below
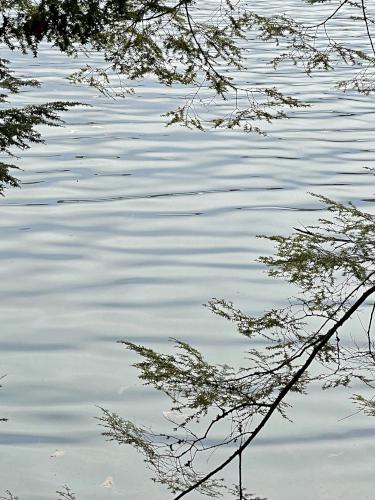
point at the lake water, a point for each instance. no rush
(122, 230)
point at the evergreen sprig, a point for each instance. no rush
(18, 124)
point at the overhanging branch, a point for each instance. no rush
(284, 392)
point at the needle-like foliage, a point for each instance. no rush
(18, 124)
(313, 339)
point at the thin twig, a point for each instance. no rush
(240, 490)
(369, 331)
(322, 23)
(367, 26)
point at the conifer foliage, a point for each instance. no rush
(313, 339)
(18, 124)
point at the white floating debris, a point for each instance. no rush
(334, 455)
(108, 482)
(58, 453)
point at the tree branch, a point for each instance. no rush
(367, 26)
(286, 389)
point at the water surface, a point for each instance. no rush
(123, 229)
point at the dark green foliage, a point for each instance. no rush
(17, 125)
(9, 83)
(314, 257)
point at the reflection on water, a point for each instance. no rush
(122, 229)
